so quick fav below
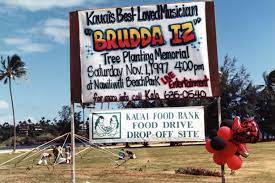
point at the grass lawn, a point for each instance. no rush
(153, 164)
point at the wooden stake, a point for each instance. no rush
(222, 172)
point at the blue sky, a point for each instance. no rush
(38, 32)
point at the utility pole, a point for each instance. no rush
(73, 144)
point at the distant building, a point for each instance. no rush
(37, 128)
(25, 128)
(83, 129)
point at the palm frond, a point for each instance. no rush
(8, 60)
(2, 76)
(20, 73)
(3, 63)
(15, 62)
(12, 68)
(6, 80)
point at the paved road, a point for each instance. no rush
(17, 151)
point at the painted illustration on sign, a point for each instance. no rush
(106, 125)
(126, 51)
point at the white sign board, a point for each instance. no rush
(142, 125)
(144, 52)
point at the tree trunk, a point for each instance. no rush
(14, 126)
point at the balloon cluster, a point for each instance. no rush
(228, 143)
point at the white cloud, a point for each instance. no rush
(56, 22)
(34, 47)
(34, 5)
(4, 104)
(15, 41)
(57, 29)
(6, 118)
(26, 45)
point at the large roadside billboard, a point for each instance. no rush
(165, 51)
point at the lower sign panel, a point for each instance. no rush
(143, 125)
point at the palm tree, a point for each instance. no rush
(12, 68)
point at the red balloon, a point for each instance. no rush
(234, 162)
(229, 150)
(208, 146)
(225, 133)
(219, 159)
